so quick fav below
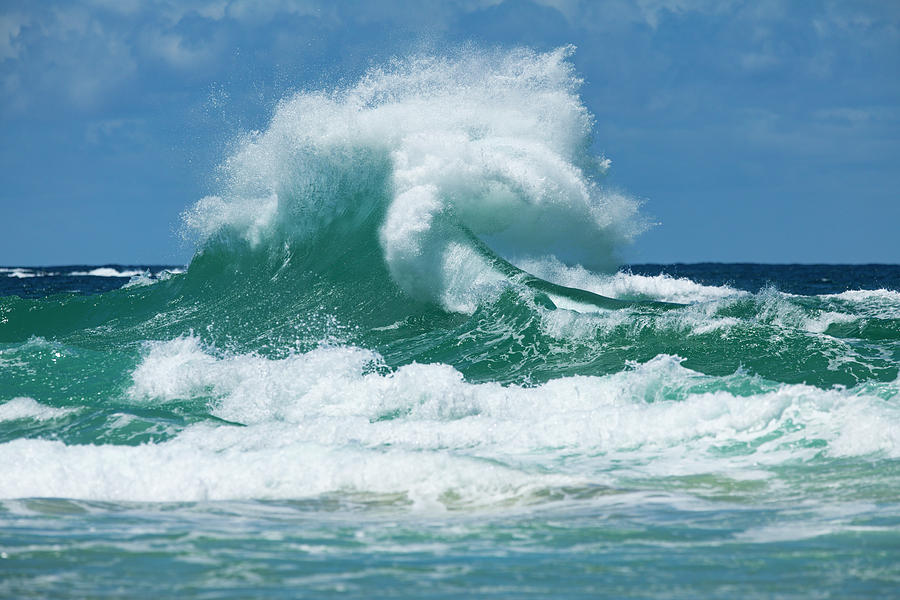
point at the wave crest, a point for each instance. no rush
(423, 154)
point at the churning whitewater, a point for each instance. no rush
(405, 297)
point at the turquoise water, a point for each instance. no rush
(404, 362)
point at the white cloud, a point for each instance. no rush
(127, 7)
(168, 10)
(265, 10)
(759, 61)
(103, 131)
(651, 10)
(856, 115)
(212, 10)
(591, 14)
(14, 97)
(67, 53)
(176, 51)
(10, 27)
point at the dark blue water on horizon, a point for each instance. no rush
(805, 279)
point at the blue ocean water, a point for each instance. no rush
(405, 361)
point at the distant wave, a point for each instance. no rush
(123, 272)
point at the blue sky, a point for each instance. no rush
(753, 131)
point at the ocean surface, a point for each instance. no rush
(406, 361)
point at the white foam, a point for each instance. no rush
(625, 285)
(787, 532)
(821, 322)
(23, 273)
(106, 272)
(29, 408)
(253, 215)
(140, 280)
(649, 404)
(332, 420)
(892, 296)
(882, 304)
(226, 463)
(791, 312)
(19, 273)
(491, 144)
(147, 278)
(581, 321)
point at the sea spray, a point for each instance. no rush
(432, 148)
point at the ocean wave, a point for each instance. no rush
(20, 272)
(626, 285)
(334, 421)
(657, 404)
(29, 408)
(106, 272)
(431, 153)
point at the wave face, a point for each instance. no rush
(405, 298)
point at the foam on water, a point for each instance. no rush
(625, 285)
(333, 420)
(107, 272)
(882, 304)
(28, 273)
(19, 273)
(29, 408)
(608, 413)
(882, 295)
(148, 278)
(259, 463)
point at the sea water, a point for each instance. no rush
(405, 362)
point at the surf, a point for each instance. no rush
(445, 169)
